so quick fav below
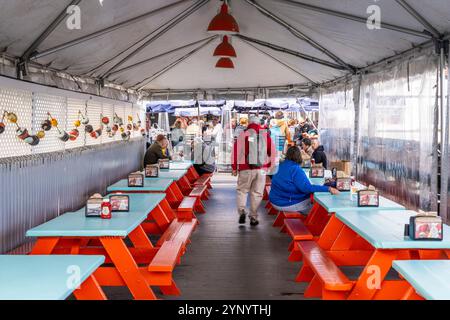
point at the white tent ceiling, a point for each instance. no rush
(22, 22)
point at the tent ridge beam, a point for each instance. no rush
(168, 27)
(428, 26)
(301, 35)
(355, 18)
(137, 64)
(292, 52)
(44, 35)
(101, 32)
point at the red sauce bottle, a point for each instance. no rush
(106, 209)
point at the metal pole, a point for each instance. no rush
(159, 56)
(444, 144)
(186, 14)
(301, 35)
(26, 55)
(351, 17)
(419, 18)
(292, 52)
(102, 31)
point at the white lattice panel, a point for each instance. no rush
(94, 111)
(19, 102)
(73, 106)
(120, 111)
(108, 111)
(56, 106)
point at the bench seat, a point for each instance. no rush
(167, 256)
(326, 279)
(178, 230)
(297, 230)
(200, 192)
(204, 180)
(279, 221)
(188, 206)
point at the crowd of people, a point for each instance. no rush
(273, 147)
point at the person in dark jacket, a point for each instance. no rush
(319, 155)
(158, 150)
(291, 188)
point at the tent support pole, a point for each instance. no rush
(172, 24)
(292, 52)
(351, 17)
(55, 23)
(419, 18)
(445, 112)
(101, 32)
(301, 35)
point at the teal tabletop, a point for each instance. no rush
(171, 174)
(384, 229)
(150, 185)
(317, 181)
(75, 224)
(344, 201)
(42, 277)
(430, 278)
(178, 165)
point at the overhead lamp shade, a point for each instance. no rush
(223, 22)
(225, 63)
(225, 49)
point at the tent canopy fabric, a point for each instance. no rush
(189, 107)
(148, 54)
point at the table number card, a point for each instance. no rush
(368, 198)
(136, 180)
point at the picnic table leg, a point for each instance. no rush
(176, 196)
(167, 209)
(140, 239)
(171, 290)
(90, 290)
(373, 275)
(344, 240)
(192, 174)
(127, 268)
(184, 185)
(330, 233)
(45, 245)
(160, 218)
(411, 295)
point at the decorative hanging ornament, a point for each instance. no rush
(117, 120)
(115, 128)
(143, 132)
(74, 134)
(129, 127)
(63, 135)
(88, 128)
(105, 120)
(84, 119)
(46, 125)
(22, 133)
(77, 123)
(32, 140)
(2, 123)
(40, 134)
(12, 117)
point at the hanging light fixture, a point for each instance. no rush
(225, 63)
(225, 49)
(223, 22)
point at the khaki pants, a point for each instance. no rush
(253, 182)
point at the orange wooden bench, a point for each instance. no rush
(163, 264)
(298, 232)
(279, 221)
(200, 192)
(178, 230)
(188, 206)
(204, 180)
(325, 279)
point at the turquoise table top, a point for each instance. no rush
(150, 185)
(178, 165)
(317, 181)
(42, 277)
(342, 202)
(430, 278)
(171, 174)
(384, 229)
(75, 224)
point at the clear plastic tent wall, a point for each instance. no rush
(395, 144)
(337, 121)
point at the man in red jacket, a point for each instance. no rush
(253, 155)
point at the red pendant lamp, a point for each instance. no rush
(223, 22)
(225, 49)
(225, 63)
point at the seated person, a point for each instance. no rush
(319, 155)
(306, 149)
(291, 188)
(158, 150)
(203, 156)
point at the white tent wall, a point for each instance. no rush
(395, 124)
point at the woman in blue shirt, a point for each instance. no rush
(291, 188)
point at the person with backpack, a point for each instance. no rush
(253, 153)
